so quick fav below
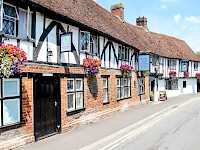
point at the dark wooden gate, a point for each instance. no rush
(47, 107)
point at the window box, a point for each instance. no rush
(186, 74)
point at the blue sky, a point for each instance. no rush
(177, 18)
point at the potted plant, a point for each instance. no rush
(11, 57)
(126, 70)
(92, 66)
(186, 74)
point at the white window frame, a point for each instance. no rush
(141, 86)
(85, 50)
(105, 88)
(10, 80)
(18, 100)
(196, 66)
(123, 88)
(74, 92)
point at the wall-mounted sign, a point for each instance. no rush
(66, 42)
(143, 63)
(184, 66)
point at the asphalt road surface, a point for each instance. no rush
(177, 130)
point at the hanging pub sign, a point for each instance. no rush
(184, 66)
(66, 42)
(143, 63)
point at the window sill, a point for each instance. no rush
(141, 94)
(12, 125)
(18, 38)
(91, 54)
(123, 99)
(73, 112)
(106, 103)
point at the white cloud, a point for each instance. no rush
(177, 17)
(192, 19)
(163, 7)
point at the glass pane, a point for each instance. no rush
(70, 101)
(11, 111)
(125, 92)
(79, 100)
(11, 87)
(79, 85)
(129, 81)
(70, 85)
(118, 93)
(22, 28)
(122, 82)
(118, 82)
(125, 82)
(122, 92)
(105, 95)
(10, 11)
(105, 82)
(85, 41)
(8, 27)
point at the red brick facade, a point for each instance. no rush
(94, 108)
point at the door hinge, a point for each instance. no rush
(56, 103)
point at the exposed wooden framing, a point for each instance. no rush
(104, 49)
(116, 58)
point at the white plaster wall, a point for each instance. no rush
(191, 85)
(161, 85)
(39, 30)
(28, 48)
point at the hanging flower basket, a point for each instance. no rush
(198, 75)
(186, 74)
(92, 66)
(126, 70)
(11, 57)
(172, 73)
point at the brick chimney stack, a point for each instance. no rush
(118, 10)
(142, 22)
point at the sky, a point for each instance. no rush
(177, 18)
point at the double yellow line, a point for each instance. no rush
(128, 136)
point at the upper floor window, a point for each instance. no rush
(16, 23)
(84, 41)
(123, 53)
(94, 44)
(10, 15)
(195, 66)
(172, 64)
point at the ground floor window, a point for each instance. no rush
(75, 94)
(141, 85)
(105, 90)
(123, 88)
(184, 84)
(10, 101)
(171, 84)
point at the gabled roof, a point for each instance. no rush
(88, 13)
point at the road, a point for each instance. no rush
(179, 129)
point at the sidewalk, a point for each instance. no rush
(89, 134)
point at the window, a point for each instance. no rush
(123, 53)
(94, 48)
(10, 101)
(172, 64)
(141, 85)
(74, 94)
(10, 23)
(105, 90)
(85, 41)
(123, 88)
(184, 84)
(10, 15)
(196, 66)
(172, 84)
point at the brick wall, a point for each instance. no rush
(95, 110)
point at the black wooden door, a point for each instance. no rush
(47, 107)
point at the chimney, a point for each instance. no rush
(142, 22)
(118, 10)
